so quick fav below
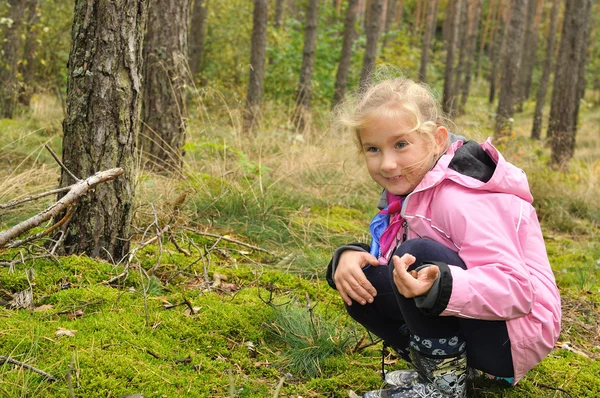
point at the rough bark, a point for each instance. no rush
(197, 36)
(9, 88)
(27, 67)
(102, 122)
(350, 34)
(499, 45)
(510, 62)
(487, 28)
(530, 41)
(462, 49)
(303, 98)
(565, 94)
(471, 45)
(373, 31)
(165, 78)
(278, 17)
(430, 24)
(257, 66)
(453, 14)
(546, 69)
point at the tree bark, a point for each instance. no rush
(490, 17)
(471, 45)
(546, 69)
(27, 67)
(197, 36)
(165, 78)
(350, 34)
(278, 17)
(499, 45)
(302, 112)
(257, 66)
(102, 123)
(511, 62)
(462, 53)
(390, 16)
(453, 14)
(529, 51)
(399, 14)
(430, 25)
(373, 31)
(9, 88)
(565, 95)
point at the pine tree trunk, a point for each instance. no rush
(511, 60)
(165, 78)
(462, 53)
(528, 53)
(257, 66)
(399, 14)
(390, 16)
(430, 24)
(102, 122)
(302, 112)
(278, 18)
(27, 67)
(491, 15)
(341, 78)
(453, 14)
(563, 108)
(499, 45)
(471, 45)
(372, 39)
(546, 69)
(9, 88)
(197, 36)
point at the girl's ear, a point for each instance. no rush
(441, 139)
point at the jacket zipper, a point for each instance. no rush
(405, 234)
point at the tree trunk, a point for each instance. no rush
(27, 66)
(431, 23)
(529, 50)
(453, 14)
(257, 66)
(102, 122)
(341, 78)
(471, 45)
(462, 52)
(197, 36)
(390, 16)
(9, 88)
(278, 13)
(399, 14)
(511, 60)
(546, 69)
(498, 50)
(165, 78)
(565, 95)
(302, 112)
(372, 38)
(491, 15)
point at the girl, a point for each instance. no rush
(457, 272)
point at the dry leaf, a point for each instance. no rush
(65, 332)
(195, 310)
(45, 307)
(565, 345)
(75, 314)
(230, 287)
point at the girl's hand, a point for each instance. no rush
(350, 280)
(414, 283)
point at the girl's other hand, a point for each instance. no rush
(350, 280)
(414, 283)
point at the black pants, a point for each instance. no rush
(393, 317)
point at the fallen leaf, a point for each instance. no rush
(565, 345)
(75, 314)
(195, 310)
(44, 307)
(231, 287)
(65, 332)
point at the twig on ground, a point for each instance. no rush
(237, 242)
(23, 259)
(159, 234)
(70, 311)
(69, 377)
(48, 376)
(231, 384)
(555, 388)
(278, 388)
(179, 248)
(62, 166)
(31, 238)
(16, 203)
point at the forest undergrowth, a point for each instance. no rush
(223, 292)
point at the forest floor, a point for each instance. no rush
(231, 300)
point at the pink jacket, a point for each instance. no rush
(495, 230)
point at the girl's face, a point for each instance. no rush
(396, 158)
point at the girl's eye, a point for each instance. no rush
(372, 149)
(401, 144)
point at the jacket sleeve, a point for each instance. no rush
(361, 247)
(497, 283)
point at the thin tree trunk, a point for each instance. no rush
(528, 53)
(278, 18)
(453, 14)
(390, 16)
(431, 23)
(27, 67)
(486, 30)
(165, 78)
(546, 69)
(9, 88)
(257, 65)
(302, 112)
(102, 123)
(566, 82)
(372, 39)
(417, 26)
(399, 14)
(462, 52)
(498, 50)
(350, 34)
(511, 60)
(197, 36)
(470, 53)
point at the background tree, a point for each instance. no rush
(341, 77)
(257, 65)
(430, 25)
(511, 62)
(27, 66)
(534, 9)
(197, 35)
(102, 123)
(565, 95)
(302, 112)
(466, 66)
(546, 69)
(453, 13)
(11, 49)
(373, 30)
(390, 18)
(165, 77)
(499, 45)
(490, 19)
(278, 17)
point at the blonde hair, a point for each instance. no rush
(400, 98)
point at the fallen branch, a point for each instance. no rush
(34, 197)
(237, 242)
(48, 376)
(77, 190)
(31, 238)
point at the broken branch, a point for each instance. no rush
(48, 376)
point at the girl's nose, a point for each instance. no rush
(388, 163)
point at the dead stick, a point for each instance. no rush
(278, 388)
(18, 243)
(61, 163)
(48, 376)
(237, 242)
(34, 197)
(77, 190)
